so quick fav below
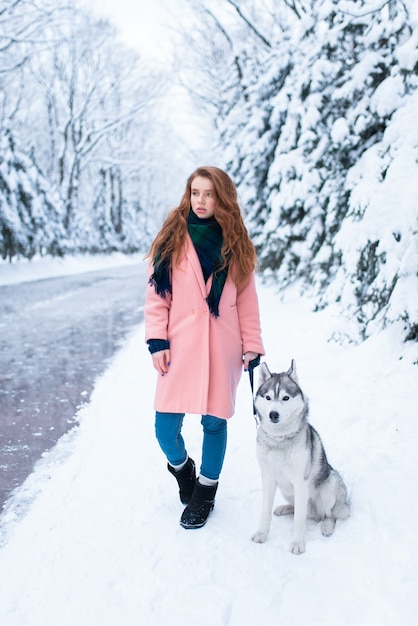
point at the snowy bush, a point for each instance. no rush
(30, 219)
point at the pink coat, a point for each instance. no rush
(206, 352)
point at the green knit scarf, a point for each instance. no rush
(206, 235)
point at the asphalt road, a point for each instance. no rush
(56, 337)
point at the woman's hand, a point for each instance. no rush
(161, 361)
(249, 356)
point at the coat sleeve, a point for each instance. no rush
(156, 311)
(249, 318)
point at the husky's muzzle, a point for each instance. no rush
(274, 417)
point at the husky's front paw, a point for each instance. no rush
(259, 537)
(327, 526)
(297, 547)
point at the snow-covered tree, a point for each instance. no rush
(30, 218)
(80, 108)
(316, 125)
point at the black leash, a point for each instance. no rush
(251, 366)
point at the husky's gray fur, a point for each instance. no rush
(291, 456)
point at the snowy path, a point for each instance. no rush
(100, 541)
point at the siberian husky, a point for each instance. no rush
(291, 455)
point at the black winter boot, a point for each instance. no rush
(186, 478)
(196, 513)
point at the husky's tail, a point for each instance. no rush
(341, 508)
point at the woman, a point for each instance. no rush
(202, 326)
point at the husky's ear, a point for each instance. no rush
(263, 374)
(291, 372)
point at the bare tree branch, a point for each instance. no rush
(249, 24)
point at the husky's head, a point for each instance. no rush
(279, 401)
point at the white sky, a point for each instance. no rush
(149, 27)
(142, 23)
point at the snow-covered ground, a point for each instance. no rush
(93, 537)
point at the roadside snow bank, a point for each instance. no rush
(38, 268)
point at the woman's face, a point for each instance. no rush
(202, 197)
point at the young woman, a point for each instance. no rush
(202, 326)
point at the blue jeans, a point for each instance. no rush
(168, 432)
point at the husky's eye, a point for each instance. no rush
(268, 397)
(285, 398)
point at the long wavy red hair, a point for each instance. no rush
(237, 249)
